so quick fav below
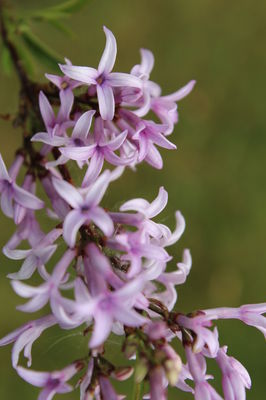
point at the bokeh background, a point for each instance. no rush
(216, 178)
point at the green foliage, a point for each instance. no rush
(6, 60)
(28, 43)
(40, 50)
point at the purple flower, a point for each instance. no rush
(106, 307)
(204, 336)
(85, 207)
(51, 382)
(137, 245)
(197, 367)
(145, 135)
(36, 257)
(12, 194)
(98, 147)
(166, 109)
(104, 80)
(250, 314)
(48, 291)
(25, 336)
(235, 377)
(55, 125)
(63, 82)
(149, 89)
(157, 387)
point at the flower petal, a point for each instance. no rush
(68, 192)
(181, 93)
(83, 125)
(3, 171)
(106, 101)
(117, 79)
(97, 189)
(107, 61)
(74, 220)
(102, 327)
(46, 110)
(27, 199)
(102, 220)
(159, 203)
(94, 168)
(35, 378)
(82, 74)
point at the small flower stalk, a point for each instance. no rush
(113, 275)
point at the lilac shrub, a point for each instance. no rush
(121, 283)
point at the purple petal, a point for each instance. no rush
(27, 199)
(46, 110)
(3, 171)
(159, 203)
(83, 125)
(78, 153)
(116, 143)
(154, 157)
(106, 101)
(35, 378)
(118, 79)
(181, 93)
(109, 55)
(68, 192)
(107, 390)
(45, 137)
(102, 327)
(15, 254)
(74, 220)
(66, 98)
(94, 168)
(6, 202)
(82, 74)
(102, 220)
(26, 270)
(97, 190)
(136, 205)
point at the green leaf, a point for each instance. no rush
(6, 60)
(40, 50)
(60, 11)
(69, 6)
(61, 27)
(26, 60)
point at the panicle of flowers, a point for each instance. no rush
(112, 275)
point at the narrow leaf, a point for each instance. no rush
(6, 61)
(40, 50)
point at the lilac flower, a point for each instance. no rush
(170, 279)
(104, 80)
(235, 376)
(157, 387)
(136, 245)
(149, 89)
(85, 207)
(204, 336)
(36, 257)
(48, 291)
(60, 206)
(197, 368)
(145, 135)
(77, 143)
(63, 82)
(106, 307)
(250, 314)
(166, 109)
(12, 194)
(55, 125)
(25, 336)
(98, 148)
(148, 211)
(51, 382)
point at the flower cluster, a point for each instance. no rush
(121, 283)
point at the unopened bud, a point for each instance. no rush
(122, 373)
(172, 370)
(141, 370)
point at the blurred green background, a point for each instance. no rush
(216, 178)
